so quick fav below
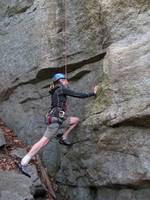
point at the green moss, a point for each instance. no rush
(103, 99)
(3, 8)
(18, 7)
(144, 5)
(11, 11)
(131, 91)
(143, 2)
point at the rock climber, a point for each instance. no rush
(57, 117)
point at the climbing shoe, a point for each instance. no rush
(59, 135)
(65, 142)
(24, 169)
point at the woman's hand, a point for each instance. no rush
(96, 88)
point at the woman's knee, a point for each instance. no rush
(44, 141)
(77, 120)
(74, 120)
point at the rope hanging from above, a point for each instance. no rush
(65, 37)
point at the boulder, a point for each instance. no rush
(19, 152)
(126, 83)
(14, 186)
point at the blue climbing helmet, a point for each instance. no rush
(58, 76)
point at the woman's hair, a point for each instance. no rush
(53, 85)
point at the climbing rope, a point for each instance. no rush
(65, 37)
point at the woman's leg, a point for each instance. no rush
(49, 133)
(34, 150)
(74, 121)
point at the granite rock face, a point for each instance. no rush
(116, 154)
(113, 163)
(32, 50)
(15, 190)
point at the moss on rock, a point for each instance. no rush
(104, 96)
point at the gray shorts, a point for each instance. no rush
(53, 129)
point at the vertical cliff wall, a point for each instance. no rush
(114, 161)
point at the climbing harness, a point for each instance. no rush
(49, 118)
(62, 114)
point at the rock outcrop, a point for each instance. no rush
(113, 162)
(14, 184)
(117, 126)
(15, 190)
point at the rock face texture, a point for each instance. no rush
(32, 49)
(18, 190)
(14, 184)
(113, 163)
(2, 139)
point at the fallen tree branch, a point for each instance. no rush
(45, 177)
